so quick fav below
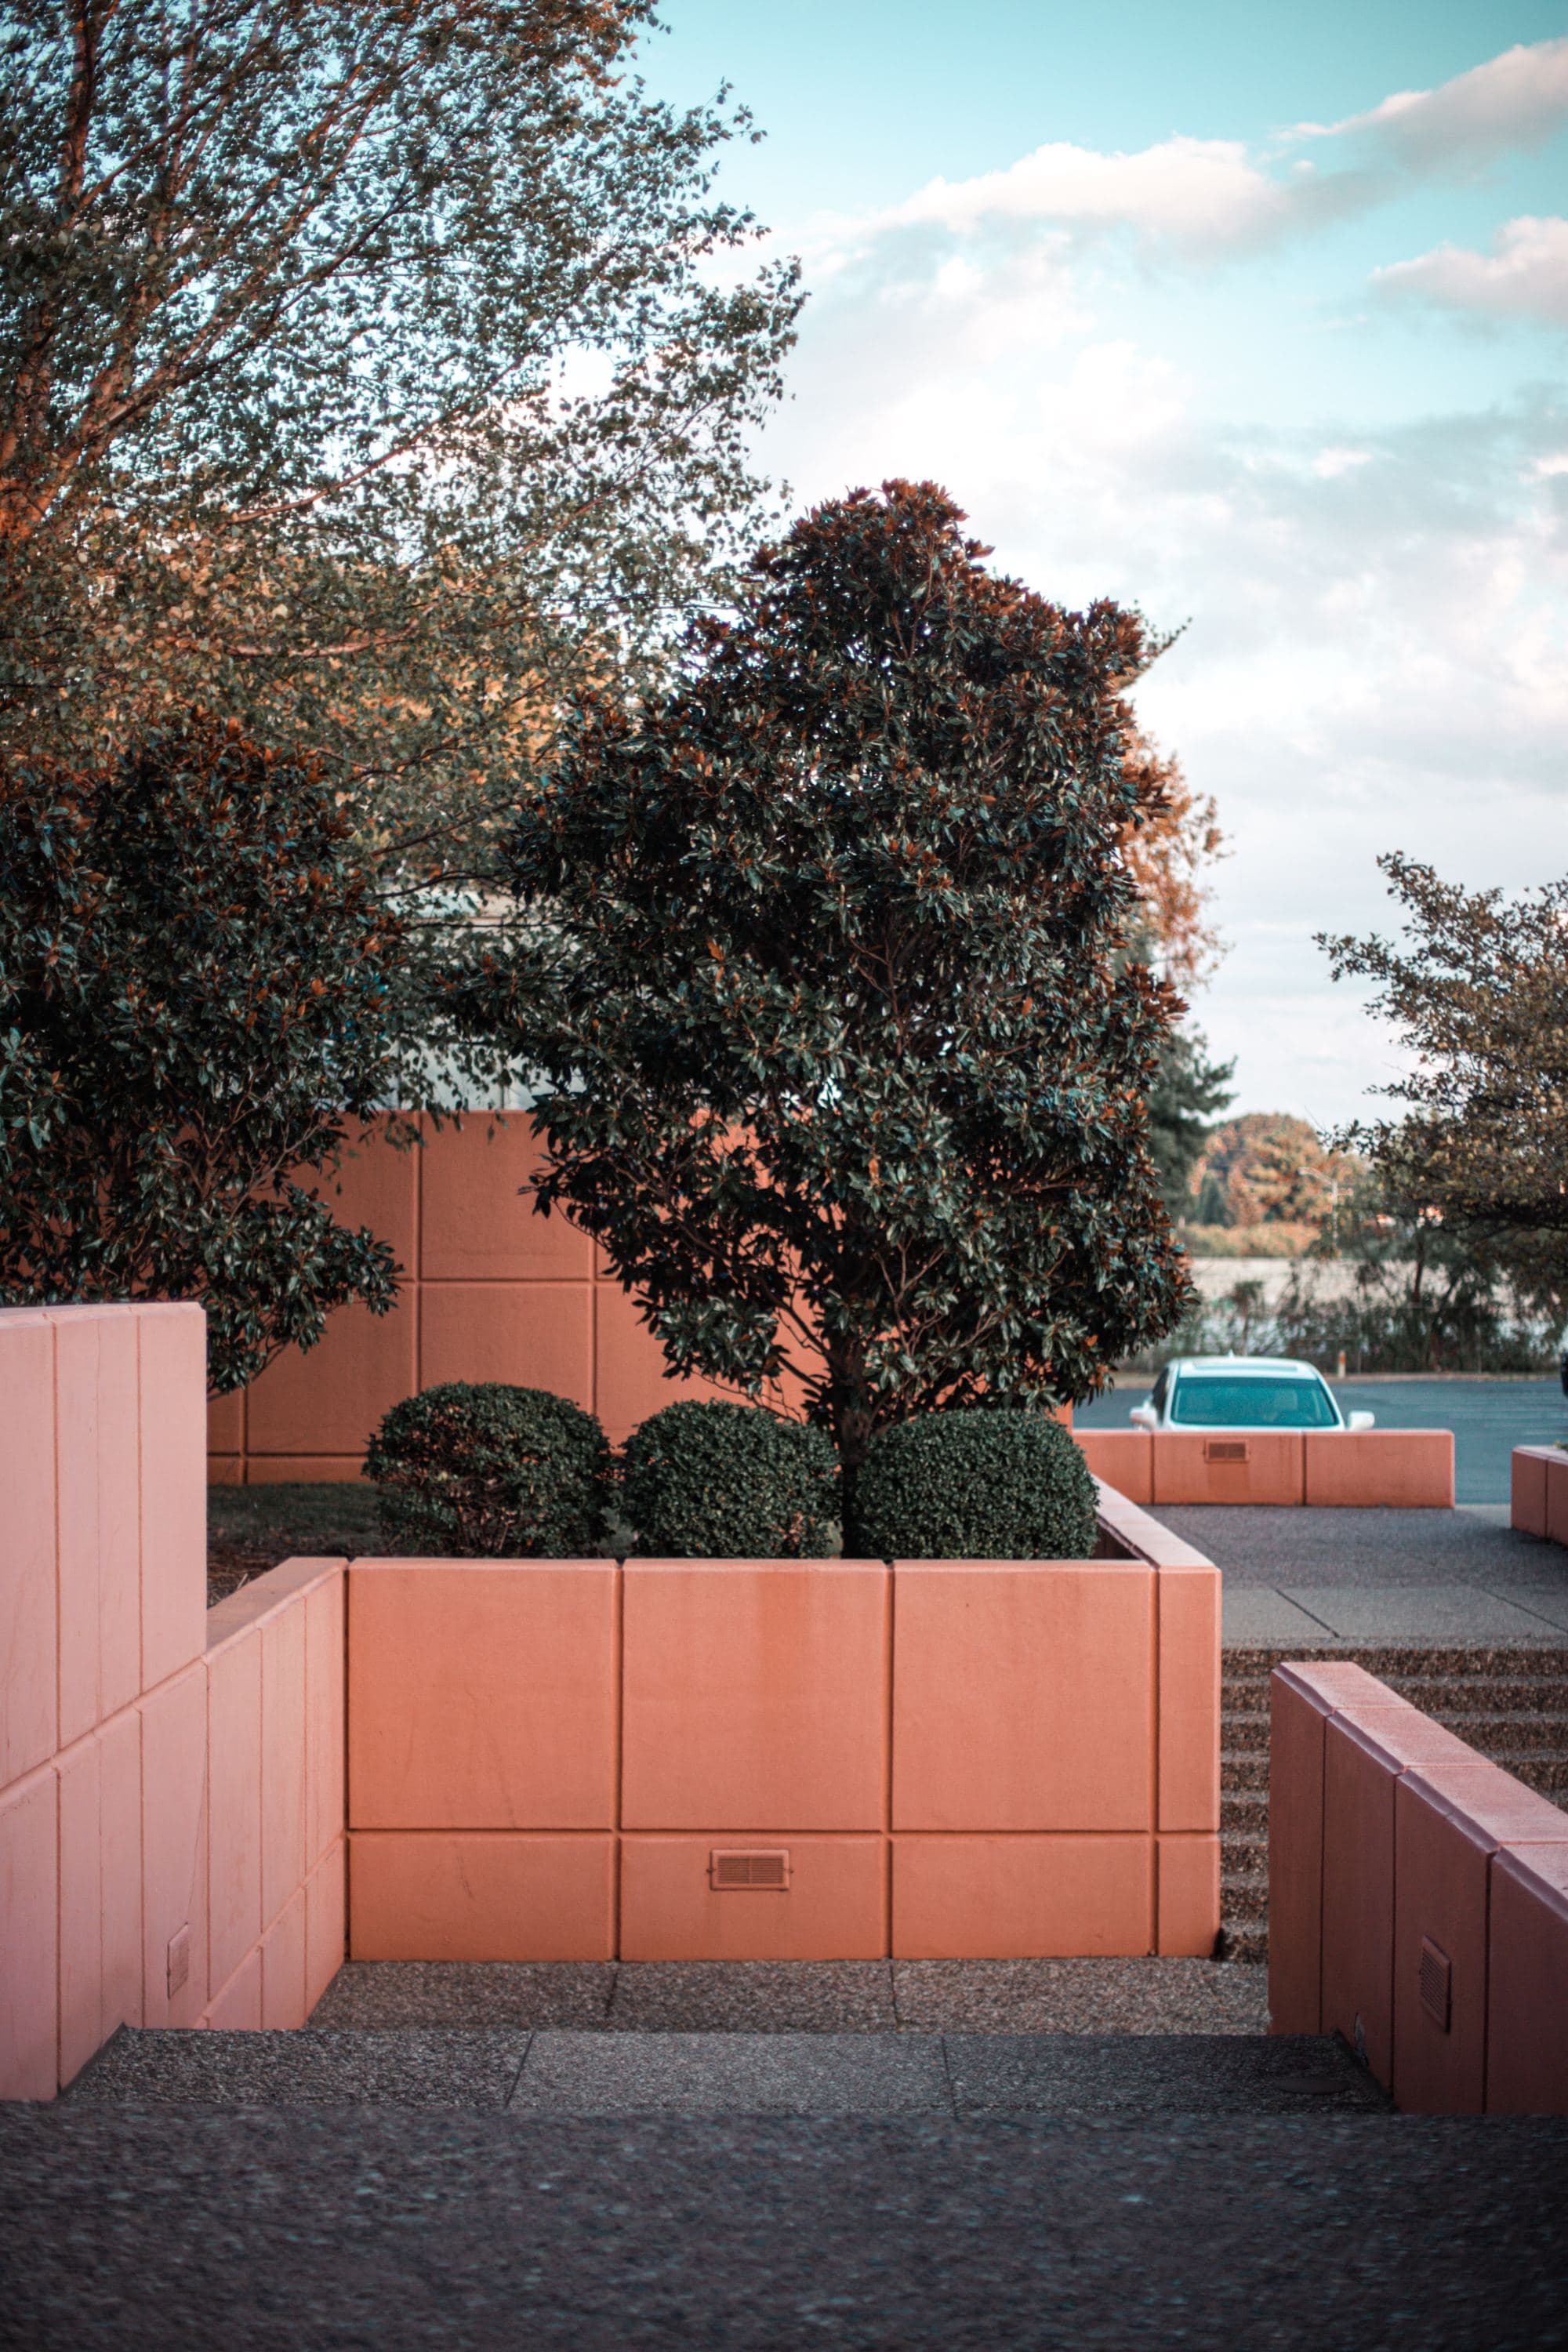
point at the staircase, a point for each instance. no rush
(1510, 1704)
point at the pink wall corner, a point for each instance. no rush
(326, 1921)
(1450, 1820)
(1557, 1498)
(447, 1895)
(80, 1773)
(833, 1908)
(1186, 1897)
(120, 1814)
(236, 2007)
(1527, 1483)
(1022, 1898)
(1408, 1469)
(30, 1632)
(283, 1761)
(234, 1801)
(1023, 1696)
(1188, 1603)
(284, 2006)
(174, 1846)
(1301, 1699)
(1124, 1458)
(172, 1380)
(482, 1696)
(98, 1458)
(1187, 1469)
(30, 1937)
(754, 1692)
(1527, 1982)
(326, 1805)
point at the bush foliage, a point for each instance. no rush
(730, 1482)
(199, 991)
(975, 1485)
(477, 1469)
(840, 1056)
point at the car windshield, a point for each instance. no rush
(1252, 1401)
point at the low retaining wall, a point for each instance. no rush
(782, 1759)
(1404, 1468)
(171, 1846)
(1417, 1900)
(1540, 1492)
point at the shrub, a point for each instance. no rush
(480, 1469)
(975, 1484)
(730, 1482)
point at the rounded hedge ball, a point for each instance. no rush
(1005, 1484)
(479, 1469)
(730, 1482)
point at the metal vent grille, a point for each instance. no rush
(761, 1870)
(1227, 1449)
(1436, 1977)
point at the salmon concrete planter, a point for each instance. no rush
(1417, 1900)
(1411, 1469)
(1540, 1492)
(786, 1760)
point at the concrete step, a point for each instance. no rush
(596, 2073)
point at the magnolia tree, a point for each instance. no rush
(200, 988)
(842, 1060)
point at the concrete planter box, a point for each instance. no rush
(1411, 1469)
(783, 1759)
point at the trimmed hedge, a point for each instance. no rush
(1007, 1483)
(730, 1482)
(481, 1470)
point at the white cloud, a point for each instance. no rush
(1525, 275)
(1517, 100)
(1200, 194)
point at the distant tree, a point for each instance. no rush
(363, 376)
(1479, 996)
(199, 989)
(1187, 1090)
(1269, 1168)
(848, 1065)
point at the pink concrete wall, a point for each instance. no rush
(172, 1842)
(491, 1292)
(1419, 1900)
(551, 1760)
(1409, 1468)
(1540, 1492)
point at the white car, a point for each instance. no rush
(1243, 1392)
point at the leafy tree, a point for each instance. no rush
(363, 376)
(846, 1065)
(1187, 1090)
(1479, 996)
(197, 995)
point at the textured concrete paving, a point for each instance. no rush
(1115, 1996)
(311, 2229)
(734, 2073)
(1185, 2073)
(1367, 1578)
(425, 2067)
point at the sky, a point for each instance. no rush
(1255, 319)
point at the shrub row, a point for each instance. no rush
(482, 1470)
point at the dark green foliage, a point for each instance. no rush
(480, 1470)
(974, 1485)
(730, 1482)
(848, 1067)
(197, 995)
(1188, 1090)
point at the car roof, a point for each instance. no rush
(1232, 1365)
